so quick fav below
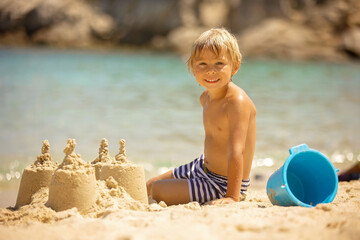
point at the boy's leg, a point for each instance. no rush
(171, 191)
(149, 183)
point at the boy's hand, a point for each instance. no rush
(223, 201)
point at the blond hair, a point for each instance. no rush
(217, 40)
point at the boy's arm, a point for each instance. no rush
(238, 117)
(203, 97)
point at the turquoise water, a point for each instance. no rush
(151, 100)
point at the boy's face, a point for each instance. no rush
(212, 71)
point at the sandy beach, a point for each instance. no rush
(70, 201)
(254, 218)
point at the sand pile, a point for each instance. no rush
(110, 198)
(128, 175)
(73, 183)
(36, 176)
(254, 218)
(49, 192)
(110, 212)
(104, 157)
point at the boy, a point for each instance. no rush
(222, 174)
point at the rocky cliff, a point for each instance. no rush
(290, 29)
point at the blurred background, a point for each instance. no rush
(291, 29)
(115, 69)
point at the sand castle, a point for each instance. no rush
(104, 157)
(73, 184)
(36, 176)
(128, 175)
(88, 187)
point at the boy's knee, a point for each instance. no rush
(156, 191)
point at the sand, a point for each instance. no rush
(129, 176)
(104, 157)
(254, 218)
(111, 213)
(36, 176)
(73, 183)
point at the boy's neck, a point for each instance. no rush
(218, 93)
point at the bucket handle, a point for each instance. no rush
(298, 148)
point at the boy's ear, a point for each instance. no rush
(236, 68)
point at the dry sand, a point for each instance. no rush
(36, 176)
(128, 175)
(111, 213)
(118, 217)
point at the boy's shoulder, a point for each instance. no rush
(238, 97)
(235, 93)
(203, 97)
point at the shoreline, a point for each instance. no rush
(134, 49)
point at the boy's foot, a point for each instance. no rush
(348, 177)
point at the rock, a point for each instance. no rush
(326, 29)
(278, 38)
(213, 13)
(44, 15)
(351, 41)
(12, 13)
(188, 12)
(103, 27)
(353, 19)
(244, 14)
(64, 34)
(72, 23)
(138, 21)
(77, 24)
(181, 39)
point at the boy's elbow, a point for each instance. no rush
(238, 156)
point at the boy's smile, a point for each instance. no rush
(212, 81)
(212, 70)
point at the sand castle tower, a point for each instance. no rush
(73, 183)
(128, 175)
(104, 157)
(36, 176)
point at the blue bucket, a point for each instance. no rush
(306, 179)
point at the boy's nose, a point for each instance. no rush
(210, 70)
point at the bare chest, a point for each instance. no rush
(215, 117)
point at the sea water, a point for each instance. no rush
(150, 100)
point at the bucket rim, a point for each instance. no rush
(292, 196)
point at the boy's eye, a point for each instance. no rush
(202, 63)
(219, 63)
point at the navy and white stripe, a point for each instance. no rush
(244, 186)
(204, 187)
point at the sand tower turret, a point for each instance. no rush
(103, 158)
(128, 175)
(73, 183)
(36, 176)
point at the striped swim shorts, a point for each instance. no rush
(204, 186)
